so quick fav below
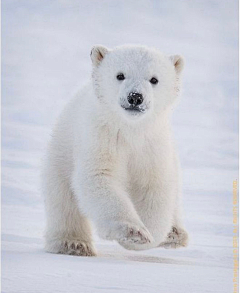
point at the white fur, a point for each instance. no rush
(113, 168)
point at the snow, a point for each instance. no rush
(45, 59)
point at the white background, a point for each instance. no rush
(45, 59)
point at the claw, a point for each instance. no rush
(131, 232)
(175, 230)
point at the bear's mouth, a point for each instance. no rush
(134, 109)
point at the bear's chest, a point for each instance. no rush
(146, 165)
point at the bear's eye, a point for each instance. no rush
(120, 76)
(153, 80)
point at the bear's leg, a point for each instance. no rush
(178, 236)
(110, 208)
(68, 231)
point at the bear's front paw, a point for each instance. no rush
(71, 247)
(127, 233)
(177, 237)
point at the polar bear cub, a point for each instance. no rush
(112, 162)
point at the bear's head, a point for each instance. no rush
(132, 81)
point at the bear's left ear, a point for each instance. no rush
(97, 54)
(178, 62)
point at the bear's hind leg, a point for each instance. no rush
(178, 236)
(67, 231)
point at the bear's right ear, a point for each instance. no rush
(97, 54)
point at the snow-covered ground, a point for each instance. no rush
(45, 59)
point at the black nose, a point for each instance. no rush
(135, 99)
